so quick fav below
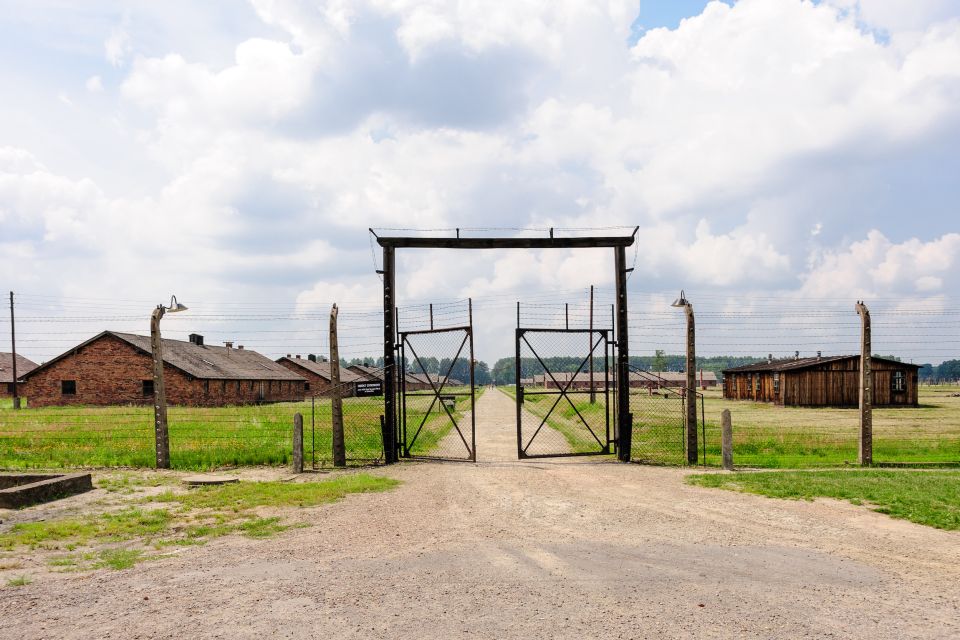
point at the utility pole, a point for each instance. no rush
(865, 450)
(691, 390)
(13, 348)
(336, 395)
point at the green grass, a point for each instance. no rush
(430, 440)
(189, 518)
(241, 496)
(930, 498)
(19, 581)
(766, 435)
(203, 438)
(117, 526)
(200, 438)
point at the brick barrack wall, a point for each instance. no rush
(319, 386)
(111, 372)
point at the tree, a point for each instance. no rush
(659, 360)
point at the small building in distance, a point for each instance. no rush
(115, 368)
(411, 381)
(671, 379)
(24, 366)
(822, 381)
(317, 375)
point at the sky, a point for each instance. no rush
(781, 158)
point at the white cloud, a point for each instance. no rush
(94, 84)
(878, 267)
(118, 45)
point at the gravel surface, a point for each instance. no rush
(572, 548)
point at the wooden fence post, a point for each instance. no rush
(865, 450)
(336, 396)
(726, 437)
(297, 443)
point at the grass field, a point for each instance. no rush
(766, 435)
(925, 497)
(200, 438)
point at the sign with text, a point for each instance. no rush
(368, 388)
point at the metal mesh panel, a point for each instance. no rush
(437, 394)
(658, 426)
(563, 409)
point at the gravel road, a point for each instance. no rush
(571, 548)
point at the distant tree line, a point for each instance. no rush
(946, 371)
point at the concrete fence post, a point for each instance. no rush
(297, 443)
(726, 436)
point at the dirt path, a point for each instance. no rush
(573, 548)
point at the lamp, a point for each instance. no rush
(175, 306)
(681, 301)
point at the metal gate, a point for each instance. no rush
(437, 417)
(563, 392)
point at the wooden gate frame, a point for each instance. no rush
(619, 244)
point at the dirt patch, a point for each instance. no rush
(505, 549)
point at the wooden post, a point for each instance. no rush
(691, 419)
(161, 434)
(13, 349)
(297, 443)
(726, 439)
(865, 450)
(336, 395)
(593, 392)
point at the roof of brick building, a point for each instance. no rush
(205, 362)
(24, 366)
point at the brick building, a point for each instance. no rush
(117, 368)
(24, 367)
(317, 375)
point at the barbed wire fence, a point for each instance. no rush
(728, 327)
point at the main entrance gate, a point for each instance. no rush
(395, 443)
(563, 392)
(437, 418)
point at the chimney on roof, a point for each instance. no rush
(240, 347)
(818, 355)
(228, 344)
(769, 358)
(197, 339)
(298, 356)
(312, 357)
(289, 356)
(796, 355)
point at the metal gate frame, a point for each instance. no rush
(609, 444)
(436, 392)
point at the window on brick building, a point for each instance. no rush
(148, 387)
(223, 386)
(68, 387)
(306, 386)
(206, 387)
(252, 385)
(238, 387)
(776, 382)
